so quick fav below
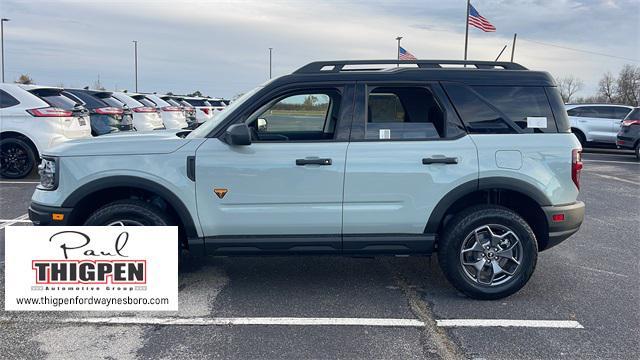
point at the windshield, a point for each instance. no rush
(204, 129)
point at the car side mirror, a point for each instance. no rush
(238, 134)
(262, 124)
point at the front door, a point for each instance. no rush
(283, 192)
(408, 150)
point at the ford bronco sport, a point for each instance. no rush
(476, 163)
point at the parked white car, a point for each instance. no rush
(217, 105)
(173, 116)
(30, 125)
(145, 118)
(596, 123)
(204, 111)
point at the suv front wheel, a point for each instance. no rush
(488, 252)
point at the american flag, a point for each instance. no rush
(475, 19)
(405, 55)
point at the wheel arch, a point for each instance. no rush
(101, 191)
(517, 195)
(16, 134)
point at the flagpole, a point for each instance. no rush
(466, 33)
(398, 52)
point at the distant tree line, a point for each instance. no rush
(622, 89)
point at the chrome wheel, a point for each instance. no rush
(125, 223)
(491, 254)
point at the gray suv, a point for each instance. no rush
(477, 164)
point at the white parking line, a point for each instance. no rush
(616, 178)
(567, 324)
(201, 321)
(19, 219)
(19, 182)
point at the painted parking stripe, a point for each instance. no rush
(202, 321)
(20, 219)
(617, 178)
(19, 182)
(564, 324)
(611, 161)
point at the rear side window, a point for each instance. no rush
(90, 101)
(216, 103)
(7, 100)
(197, 102)
(620, 112)
(145, 101)
(520, 103)
(634, 114)
(477, 115)
(403, 113)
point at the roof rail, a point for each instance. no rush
(338, 65)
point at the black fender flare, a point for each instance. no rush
(139, 183)
(495, 182)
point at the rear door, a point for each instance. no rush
(407, 151)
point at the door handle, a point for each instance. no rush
(440, 160)
(302, 162)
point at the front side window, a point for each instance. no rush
(403, 113)
(302, 117)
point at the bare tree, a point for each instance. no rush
(569, 86)
(24, 79)
(607, 88)
(628, 85)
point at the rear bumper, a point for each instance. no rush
(561, 230)
(626, 142)
(42, 215)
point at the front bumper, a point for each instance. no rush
(42, 215)
(560, 230)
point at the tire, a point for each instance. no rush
(580, 136)
(472, 224)
(132, 212)
(17, 158)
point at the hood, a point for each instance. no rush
(125, 143)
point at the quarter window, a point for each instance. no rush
(403, 113)
(7, 100)
(477, 115)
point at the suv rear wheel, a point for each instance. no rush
(488, 252)
(132, 212)
(638, 150)
(17, 158)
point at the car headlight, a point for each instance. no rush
(48, 171)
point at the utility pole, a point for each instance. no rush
(398, 38)
(135, 60)
(466, 32)
(270, 58)
(513, 46)
(2, 21)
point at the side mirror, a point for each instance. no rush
(238, 134)
(262, 124)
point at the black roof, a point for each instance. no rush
(468, 72)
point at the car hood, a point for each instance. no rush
(124, 143)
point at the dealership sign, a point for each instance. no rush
(91, 268)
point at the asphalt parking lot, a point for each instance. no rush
(591, 279)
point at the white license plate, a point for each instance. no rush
(82, 121)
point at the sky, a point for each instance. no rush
(221, 48)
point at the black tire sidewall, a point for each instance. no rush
(136, 210)
(31, 156)
(581, 138)
(462, 226)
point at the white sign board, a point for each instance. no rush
(71, 268)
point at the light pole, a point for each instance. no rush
(2, 43)
(270, 52)
(135, 60)
(398, 38)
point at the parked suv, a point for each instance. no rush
(629, 134)
(477, 164)
(188, 110)
(173, 117)
(107, 113)
(145, 116)
(204, 111)
(596, 123)
(30, 124)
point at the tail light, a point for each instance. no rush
(205, 110)
(50, 112)
(109, 111)
(145, 109)
(630, 122)
(576, 166)
(171, 108)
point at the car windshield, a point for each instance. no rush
(204, 129)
